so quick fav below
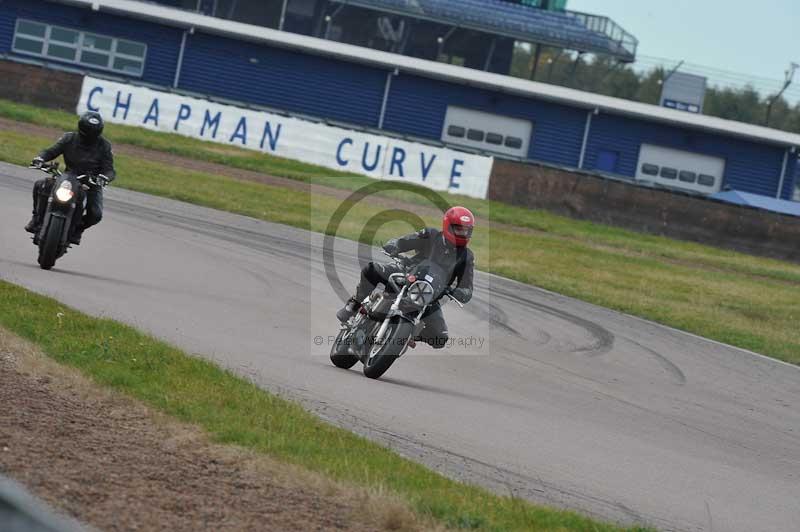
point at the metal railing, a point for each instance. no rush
(606, 27)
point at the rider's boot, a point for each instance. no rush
(363, 289)
(35, 224)
(75, 237)
(349, 310)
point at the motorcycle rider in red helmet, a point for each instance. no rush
(448, 248)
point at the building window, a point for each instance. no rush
(706, 180)
(687, 177)
(494, 138)
(475, 135)
(514, 143)
(456, 131)
(650, 169)
(668, 173)
(79, 47)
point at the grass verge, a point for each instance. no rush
(746, 301)
(235, 411)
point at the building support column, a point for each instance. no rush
(442, 40)
(490, 55)
(386, 90)
(537, 55)
(574, 70)
(553, 62)
(329, 20)
(283, 15)
(784, 169)
(179, 66)
(587, 128)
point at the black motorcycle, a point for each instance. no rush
(388, 321)
(67, 194)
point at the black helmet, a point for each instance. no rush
(90, 126)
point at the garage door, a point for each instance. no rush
(680, 169)
(487, 132)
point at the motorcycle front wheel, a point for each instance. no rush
(48, 248)
(382, 356)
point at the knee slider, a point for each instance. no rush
(439, 341)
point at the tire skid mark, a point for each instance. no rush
(495, 316)
(665, 363)
(604, 339)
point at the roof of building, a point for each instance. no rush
(465, 76)
(738, 197)
(564, 29)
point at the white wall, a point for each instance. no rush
(331, 147)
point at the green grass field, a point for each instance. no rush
(235, 411)
(750, 302)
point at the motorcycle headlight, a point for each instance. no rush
(64, 192)
(420, 293)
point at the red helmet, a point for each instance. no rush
(457, 226)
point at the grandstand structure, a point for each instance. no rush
(478, 34)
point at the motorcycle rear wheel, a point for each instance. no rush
(340, 356)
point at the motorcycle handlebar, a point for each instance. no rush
(98, 180)
(397, 258)
(52, 168)
(402, 261)
(452, 298)
(48, 168)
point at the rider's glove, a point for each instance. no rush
(390, 248)
(37, 162)
(102, 180)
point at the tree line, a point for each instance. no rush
(604, 75)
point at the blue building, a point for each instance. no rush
(434, 102)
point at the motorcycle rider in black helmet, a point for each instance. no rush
(85, 152)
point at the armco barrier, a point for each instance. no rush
(648, 210)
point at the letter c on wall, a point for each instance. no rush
(89, 99)
(343, 162)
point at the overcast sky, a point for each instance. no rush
(754, 38)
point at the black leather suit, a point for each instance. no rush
(428, 244)
(81, 157)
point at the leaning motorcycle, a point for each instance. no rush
(66, 195)
(388, 321)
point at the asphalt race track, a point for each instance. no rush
(564, 402)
